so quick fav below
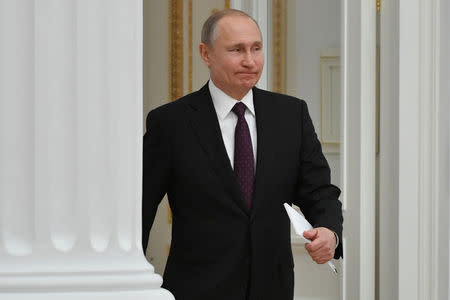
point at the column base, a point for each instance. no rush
(156, 294)
(127, 279)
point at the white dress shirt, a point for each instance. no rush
(223, 104)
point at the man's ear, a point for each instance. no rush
(204, 53)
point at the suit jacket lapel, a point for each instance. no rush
(266, 133)
(206, 125)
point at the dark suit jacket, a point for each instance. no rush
(220, 250)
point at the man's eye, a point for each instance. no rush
(235, 50)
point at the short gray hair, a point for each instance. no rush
(210, 25)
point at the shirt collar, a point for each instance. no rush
(224, 103)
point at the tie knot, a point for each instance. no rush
(239, 109)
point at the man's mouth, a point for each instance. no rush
(247, 73)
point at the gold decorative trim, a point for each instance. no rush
(279, 45)
(175, 49)
(190, 47)
(377, 97)
(378, 5)
(175, 57)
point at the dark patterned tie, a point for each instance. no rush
(243, 155)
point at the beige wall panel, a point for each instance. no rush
(156, 55)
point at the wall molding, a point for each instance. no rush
(175, 49)
(330, 86)
(279, 46)
(358, 76)
(190, 46)
(418, 162)
(429, 159)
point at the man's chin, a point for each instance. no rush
(248, 84)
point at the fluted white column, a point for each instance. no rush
(70, 154)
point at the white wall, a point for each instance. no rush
(312, 27)
(317, 27)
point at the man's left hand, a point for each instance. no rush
(322, 246)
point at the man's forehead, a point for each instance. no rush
(228, 23)
(233, 17)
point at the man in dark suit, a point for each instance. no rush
(228, 156)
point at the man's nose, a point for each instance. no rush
(248, 59)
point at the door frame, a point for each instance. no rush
(358, 148)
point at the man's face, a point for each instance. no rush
(235, 59)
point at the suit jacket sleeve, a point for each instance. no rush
(156, 168)
(317, 197)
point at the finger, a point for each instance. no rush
(310, 234)
(321, 253)
(316, 244)
(327, 234)
(321, 260)
(322, 256)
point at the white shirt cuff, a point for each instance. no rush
(337, 239)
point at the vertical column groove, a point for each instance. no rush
(16, 127)
(56, 123)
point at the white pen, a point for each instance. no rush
(332, 267)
